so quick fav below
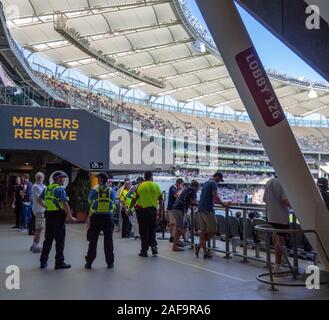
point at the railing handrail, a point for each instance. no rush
(266, 228)
(242, 206)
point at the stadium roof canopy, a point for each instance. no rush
(156, 38)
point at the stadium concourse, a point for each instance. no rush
(73, 72)
(166, 277)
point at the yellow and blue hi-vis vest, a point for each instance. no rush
(52, 203)
(103, 203)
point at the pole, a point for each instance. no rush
(244, 237)
(227, 234)
(267, 116)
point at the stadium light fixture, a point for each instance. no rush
(312, 94)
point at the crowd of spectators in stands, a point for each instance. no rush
(243, 195)
(125, 113)
(313, 143)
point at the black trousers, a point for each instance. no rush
(55, 230)
(18, 214)
(147, 225)
(126, 225)
(98, 223)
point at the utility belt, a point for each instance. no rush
(101, 217)
(57, 213)
(95, 214)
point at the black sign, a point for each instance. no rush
(96, 165)
(73, 135)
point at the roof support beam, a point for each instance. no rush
(314, 111)
(121, 32)
(182, 89)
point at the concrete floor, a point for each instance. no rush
(171, 275)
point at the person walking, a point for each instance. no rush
(101, 200)
(26, 201)
(55, 201)
(148, 201)
(206, 213)
(277, 210)
(17, 202)
(38, 211)
(173, 193)
(186, 199)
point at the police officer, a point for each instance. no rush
(125, 202)
(102, 199)
(54, 200)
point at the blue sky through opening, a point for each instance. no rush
(273, 52)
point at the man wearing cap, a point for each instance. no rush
(101, 200)
(54, 200)
(206, 213)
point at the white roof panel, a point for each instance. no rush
(148, 35)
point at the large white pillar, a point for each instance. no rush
(267, 116)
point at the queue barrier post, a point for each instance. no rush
(295, 245)
(227, 234)
(244, 236)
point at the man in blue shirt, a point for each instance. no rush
(101, 200)
(206, 213)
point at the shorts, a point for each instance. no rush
(207, 221)
(171, 217)
(179, 218)
(39, 220)
(280, 226)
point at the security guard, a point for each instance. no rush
(101, 199)
(148, 201)
(54, 200)
(125, 202)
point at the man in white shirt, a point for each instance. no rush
(277, 209)
(38, 211)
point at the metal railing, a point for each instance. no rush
(270, 231)
(246, 242)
